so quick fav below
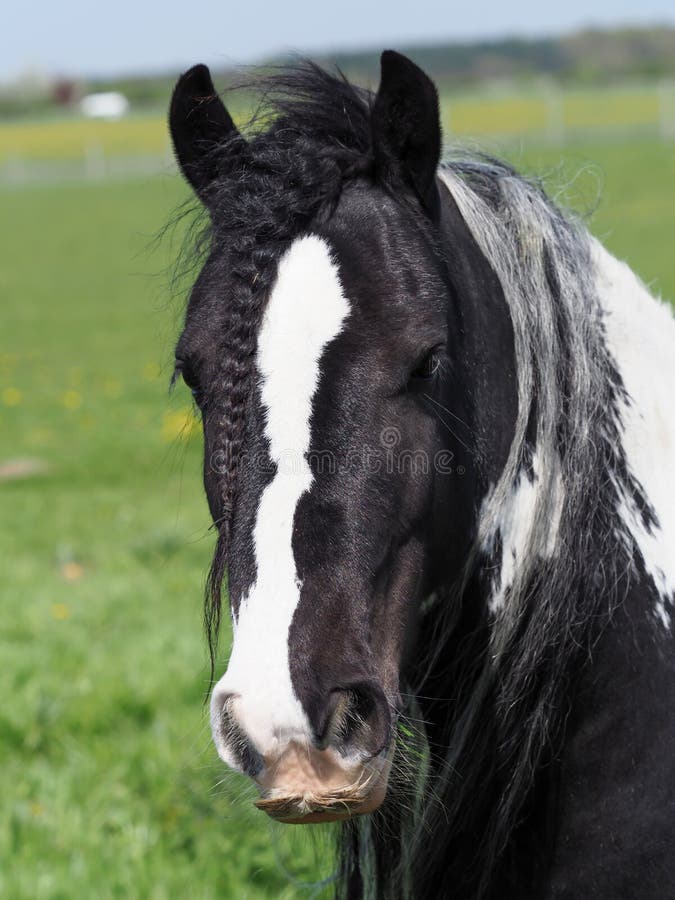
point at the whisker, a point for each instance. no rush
(445, 424)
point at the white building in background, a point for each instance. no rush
(106, 105)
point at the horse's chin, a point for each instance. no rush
(310, 811)
(334, 804)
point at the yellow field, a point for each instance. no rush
(578, 110)
(463, 116)
(611, 109)
(493, 115)
(69, 138)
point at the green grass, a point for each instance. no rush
(109, 785)
(107, 777)
(625, 192)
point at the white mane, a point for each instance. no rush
(595, 353)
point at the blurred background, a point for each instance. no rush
(108, 781)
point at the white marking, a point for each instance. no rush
(641, 338)
(306, 311)
(517, 524)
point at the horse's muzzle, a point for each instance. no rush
(306, 785)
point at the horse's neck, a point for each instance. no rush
(612, 797)
(613, 800)
(600, 824)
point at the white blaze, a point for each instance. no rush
(641, 338)
(305, 312)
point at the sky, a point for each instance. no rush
(81, 37)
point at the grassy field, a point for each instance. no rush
(109, 785)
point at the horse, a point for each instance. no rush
(438, 428)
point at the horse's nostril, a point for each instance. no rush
(231, 738)
(330, 719)
(355, 716)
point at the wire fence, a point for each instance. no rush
(547, 115)
(93, 166)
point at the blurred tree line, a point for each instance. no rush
(590, 57)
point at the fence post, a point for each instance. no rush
(15, 169)
(555, 114)
(94, 161)
(667, 109)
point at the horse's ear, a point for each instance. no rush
(199, 122)
(406, 127)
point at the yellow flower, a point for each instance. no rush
(179, 425)
(60, 611)
(39, 436)
(151, 371)
(75, 375)
(72, 400)
(11, 396)
(112, 388)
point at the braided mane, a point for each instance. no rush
(311, 135)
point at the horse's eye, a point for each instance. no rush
(186, 372)
(427, 367)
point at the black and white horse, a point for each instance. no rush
(439, 449)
